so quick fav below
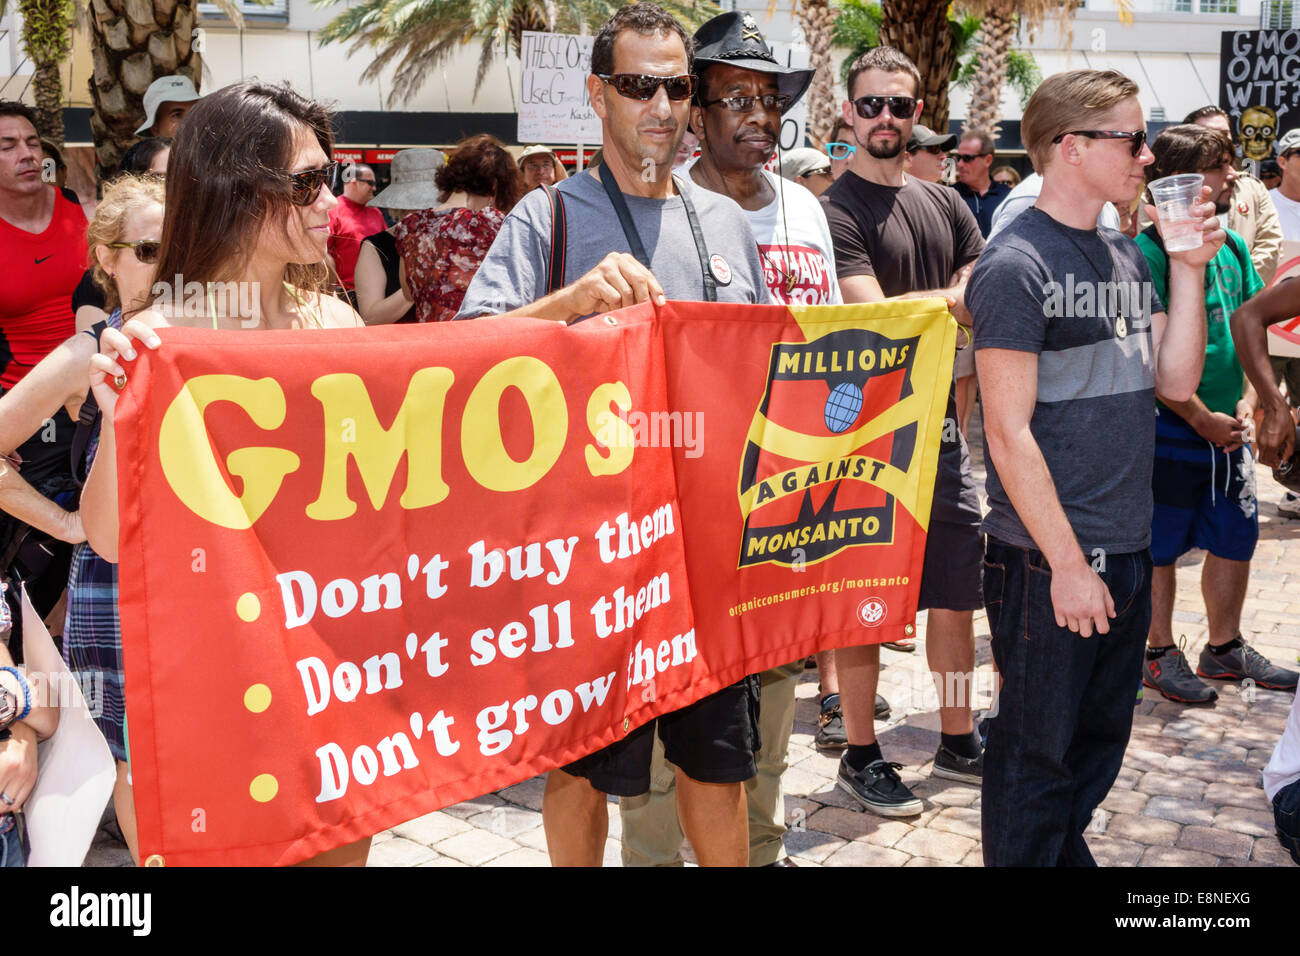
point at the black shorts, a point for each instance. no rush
(712, 740)
(951, 576)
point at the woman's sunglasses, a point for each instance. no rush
(1138, 136)
(840, 150)
(639, 86)
(869, 107)
(146, 250)
(306, 185)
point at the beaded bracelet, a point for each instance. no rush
(27, 691)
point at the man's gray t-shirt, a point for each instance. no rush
(1044, 287)
(513, 273)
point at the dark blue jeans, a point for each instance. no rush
(1286, 814)
(1065, 710)
(11, 846)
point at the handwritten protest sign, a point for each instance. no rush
(553, 102)
(1259, 86)
(369, 573)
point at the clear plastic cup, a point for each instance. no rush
(1175, 198)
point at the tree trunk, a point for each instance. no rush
(818, 23)
(47, 39)
(920, 29)
(997, 31)
(133, 42)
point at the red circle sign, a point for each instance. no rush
(872, 612)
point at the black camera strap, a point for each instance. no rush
(633, 237)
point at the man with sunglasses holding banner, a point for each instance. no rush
(700, 246)
(1069, 383)
(741, 94)
(897, 235)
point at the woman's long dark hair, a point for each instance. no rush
(227, 175)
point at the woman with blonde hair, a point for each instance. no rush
(123, 242)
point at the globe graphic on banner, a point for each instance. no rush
(842, 407)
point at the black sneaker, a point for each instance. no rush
(882, 708)
(953, 766)
(1245, 662)
(830, 728)
(879, 788)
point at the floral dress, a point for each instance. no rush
(442, 249)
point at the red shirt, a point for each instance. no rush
(42, 270)
(351, 222)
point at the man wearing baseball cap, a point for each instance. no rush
(810, 168)
(926, 152)
(166, 102)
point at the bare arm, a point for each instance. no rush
(59, 378)
(43, 719)
(1223, 430)
(88, 315)
(867, 289)
(371, 280)
(1009, 382)
(1249, 325)
(99, 497)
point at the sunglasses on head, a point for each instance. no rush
(146, 250)
(640, 86)
(840, 150)
(772, 102)
(1137, 136)
(869, 107)
(305, 186)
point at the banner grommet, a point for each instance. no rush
(155, 859)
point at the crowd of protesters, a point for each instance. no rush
(1118, 437)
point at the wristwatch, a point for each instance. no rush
(8, 707)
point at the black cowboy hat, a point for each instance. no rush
(732, 39)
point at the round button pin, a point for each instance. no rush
(721, 271)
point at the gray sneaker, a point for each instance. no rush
(1243, 662)
(1172, 676)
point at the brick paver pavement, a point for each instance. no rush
(1189, 793)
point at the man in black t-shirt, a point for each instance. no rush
(896, 235)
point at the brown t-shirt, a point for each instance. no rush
(911, 238)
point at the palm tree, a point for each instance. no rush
(819, 25)
(1000, 21)
(132, 43)
(921, 29)
(858, 28)
(417, 36)
(47, 39)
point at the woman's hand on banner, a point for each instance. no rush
(17, 767)
(107, 377)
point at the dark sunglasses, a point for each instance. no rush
(772, 102)
(146, 250)
(968, 157)
(932, 150)
(869, 107)
(306, 185)
(840, 150)
(639, 86)
(1137, 136)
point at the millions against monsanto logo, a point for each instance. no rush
(872, 611)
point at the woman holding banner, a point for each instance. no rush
(250, 216)
(123, 242)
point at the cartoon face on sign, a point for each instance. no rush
(829, 449)
(1258, 128)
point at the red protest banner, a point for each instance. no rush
(369, 573)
